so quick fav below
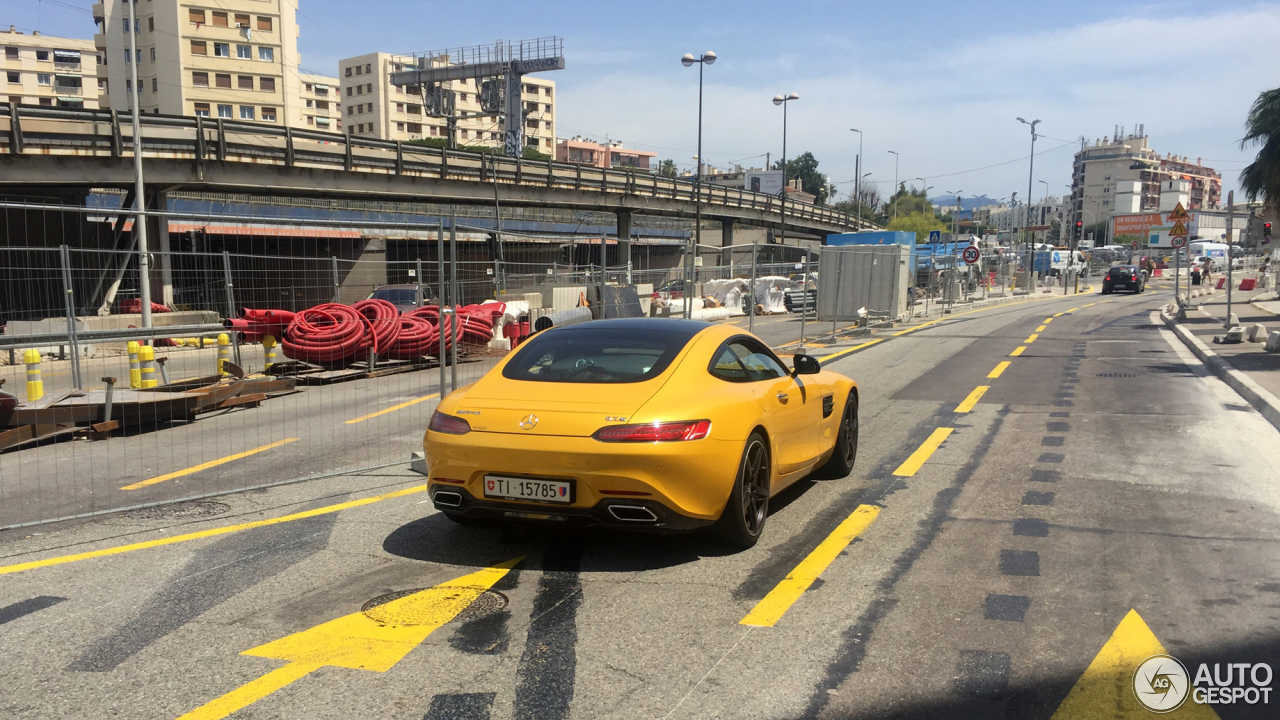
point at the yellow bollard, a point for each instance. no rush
(224, 353)
(147, 369)
(135, 375)
(208, 342)
(35, 387)
(269, 351)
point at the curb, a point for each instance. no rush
(1259, 397)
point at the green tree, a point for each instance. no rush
(919, 223)
(1262, 176)
(532, 154)
(908, 201)
(667, 168)
(805, 168)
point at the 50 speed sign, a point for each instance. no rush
(971, 254)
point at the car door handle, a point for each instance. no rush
(783, 396)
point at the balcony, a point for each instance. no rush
(99, 12)
(67, 90)
(100, 41)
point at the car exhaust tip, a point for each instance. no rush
(632, 513)
(446, 498)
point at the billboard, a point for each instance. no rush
(765, 181)
(1154, 227)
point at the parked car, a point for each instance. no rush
(404, 296)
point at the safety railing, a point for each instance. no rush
(98, 133)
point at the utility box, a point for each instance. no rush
(875, 277)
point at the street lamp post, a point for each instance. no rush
(857, 178)
(1026, 225)
(783, 100)
(956, 194)
(708, 58)
(895, 183)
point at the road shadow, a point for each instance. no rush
(438, 539)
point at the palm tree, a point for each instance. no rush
(1262, 176)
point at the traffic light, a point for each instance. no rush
(1079, 228)
(1266, 233)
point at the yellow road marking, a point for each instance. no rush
(1090, 305)
(1018, 351)
(999, 369)
(969, 312)
(1105, 690)
(1048, 320)
(373, 641)
(973, 399)
(923, 453)
(1040, 329)
(1031, 338)
(1058, 315)
(213, 532)
(392, 409)
(1071, 310)
(205, 466)
(770, 610)
(833, 356)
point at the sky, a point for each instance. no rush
(941, 83)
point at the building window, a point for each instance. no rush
(221, 50)
(268, 114)
(310, 103)
(264, 23)
(11, 53)
(244, 52)
(322, 104)
(399, 107)
(547, 91)
(464, 134)
(219, 19)
(360, 128)
(400, 127)
(195, 16)
(202, 109)
(242, 20)
(222, 80)
(400, 89)
(42, 55)
(351, 110)
(368, 88)
(15, 78)
(246, 112)
(462, 96)
(153, 54)
(151, 24)
(368, 68)
(266, 53)
(311, 120)
(359, 89)
(199, 47)
(46, 102)
(267, 84)
(155, 85)
(128, 56)
(224, 111)
(348, 91)
(200, 79)
(44, 79)
(244, 82)
(348, 72)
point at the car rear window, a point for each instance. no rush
(397, 296)
(596, 355)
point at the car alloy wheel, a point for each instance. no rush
(755, 486)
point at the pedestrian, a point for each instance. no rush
(1195, 274)
(1151, 268)
(1208, 272)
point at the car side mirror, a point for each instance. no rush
(806, 365)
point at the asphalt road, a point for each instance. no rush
(1101, 481)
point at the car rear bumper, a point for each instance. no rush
(627, 513)
(683, 483)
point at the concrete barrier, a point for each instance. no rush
(1257, 333)
(1273, 342)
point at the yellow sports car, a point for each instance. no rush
(642, 423)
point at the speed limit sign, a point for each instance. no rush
(971, 254)
(1178, 241)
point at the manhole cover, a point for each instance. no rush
(1118, 375)
(178, 511)
(430, 605)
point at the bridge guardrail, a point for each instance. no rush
(58, 131)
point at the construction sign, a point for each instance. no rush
(1179, 214)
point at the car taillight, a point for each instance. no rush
(654, 432)
(1108, 276)
(448, 424)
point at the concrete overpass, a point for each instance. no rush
(47, 149)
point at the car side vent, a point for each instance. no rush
(828, 405)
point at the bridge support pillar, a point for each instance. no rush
(726, 240)
(624, 237)
(162, 286)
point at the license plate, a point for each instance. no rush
(514, 488)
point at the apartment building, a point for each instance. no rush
(586, 151)
(320, 106)
(52, 71)
(372, 106)
(1122, 175)
(233, 59)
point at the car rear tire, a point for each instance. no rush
(843, 455)
(745, 512)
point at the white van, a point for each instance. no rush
(1198, 250)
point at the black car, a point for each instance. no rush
(1123, 277)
